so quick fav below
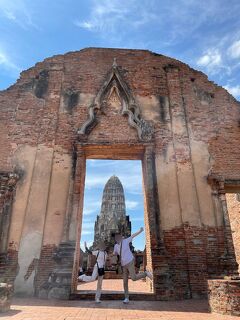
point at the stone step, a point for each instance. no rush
(86, 295)
(64, 249)
(64, 254)
(67, 245)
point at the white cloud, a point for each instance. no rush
(215, 61)
(95, 181)
(184, 18)
(234, 50)
(210, 59)
(86, 232)
(17, 11)
(85, 25)
(87, 225)
(91, 207)
(171, 22)
(110, 18)
(103, 16)
(87, 228)
(223, 58)
(129, 172)
(7, 63)
(132, 182)
(130, 205)
(234, 90)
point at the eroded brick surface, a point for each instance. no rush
(233, 201)
(224, 296)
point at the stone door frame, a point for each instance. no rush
(112, 151)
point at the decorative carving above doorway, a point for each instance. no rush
(115, 90)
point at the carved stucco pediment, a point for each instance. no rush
(115, 90)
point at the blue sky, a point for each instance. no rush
(204, 34)
(130, 174)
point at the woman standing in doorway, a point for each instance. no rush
(122, 249)
(98, 269)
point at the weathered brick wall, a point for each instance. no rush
(46, 264)
(32, 114)
(196, 133)
(233, 202)
(8, 253)
(224, 296)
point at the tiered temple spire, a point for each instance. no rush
(112, 218)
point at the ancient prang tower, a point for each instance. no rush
(112, 218)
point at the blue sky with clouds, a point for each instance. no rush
(203, 34)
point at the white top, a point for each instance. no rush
(101, 258)
(126, 253)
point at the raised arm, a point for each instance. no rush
(137, 233)
(86, 248)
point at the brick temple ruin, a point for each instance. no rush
(118, 104)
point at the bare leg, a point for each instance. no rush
(132, 272)
(99, 288)
(125, 282)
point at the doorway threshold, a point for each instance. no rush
(90, 295)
